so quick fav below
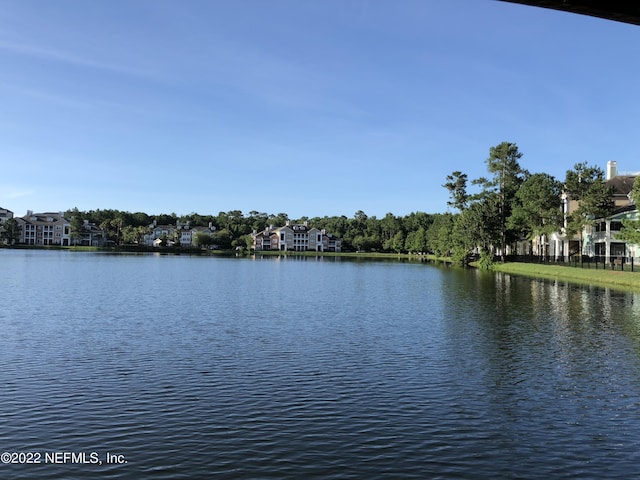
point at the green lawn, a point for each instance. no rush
(603, 278)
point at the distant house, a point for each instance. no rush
(182, 233)
(331, 243)
(5, 215)
(159, 232)
(190, 238)
(44, 229)
(296, 237)
(91, 236)
(187, 234)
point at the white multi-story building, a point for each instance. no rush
(44, 229)
(296, 237)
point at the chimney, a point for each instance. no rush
(612, 169)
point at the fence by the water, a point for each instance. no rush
(619, 263)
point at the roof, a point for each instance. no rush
(626, 208)
(43, 218)
(622, 184)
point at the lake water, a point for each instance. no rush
(178, 367)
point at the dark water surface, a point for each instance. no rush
(188, 367)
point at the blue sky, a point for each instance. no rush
(310, 108)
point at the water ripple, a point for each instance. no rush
(377, 371)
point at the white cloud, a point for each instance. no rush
(11, 192)
(69, 58)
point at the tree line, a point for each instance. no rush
(233, 229)
(507, 205)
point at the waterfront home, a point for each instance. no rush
(599, 239)
(44, 229)
(187, 234)
(90, 235)
(296, 237)
(181, 233)
(5, 215)
(157, 233)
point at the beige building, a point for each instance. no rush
(600, 239)
(296, 237)
(44, 229)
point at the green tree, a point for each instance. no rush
(390, 226)
(476, 228)
(10, 231)
(630, 231)
(203, 240)
(165, 219)
(397, 243)
(457, 186)
(222, 238)
(278, 220)
(76, 225)
(415, 220)
(134, 235)
(587, 186)
(438, 236)
(507, 176)
(536, 211)
(248, 240)
(416, 241)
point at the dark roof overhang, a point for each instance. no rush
(627, 12)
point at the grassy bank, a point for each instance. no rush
(602, 278)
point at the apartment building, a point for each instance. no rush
(600, 239)
(5, 215)
(181, 233)
(44, 229)
(296, 237)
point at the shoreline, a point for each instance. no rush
(628, 281)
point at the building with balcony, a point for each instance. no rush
(181, 234)
(296, 237)
(44, 229)
(90, 235)
(599, 239)
(5, 215)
